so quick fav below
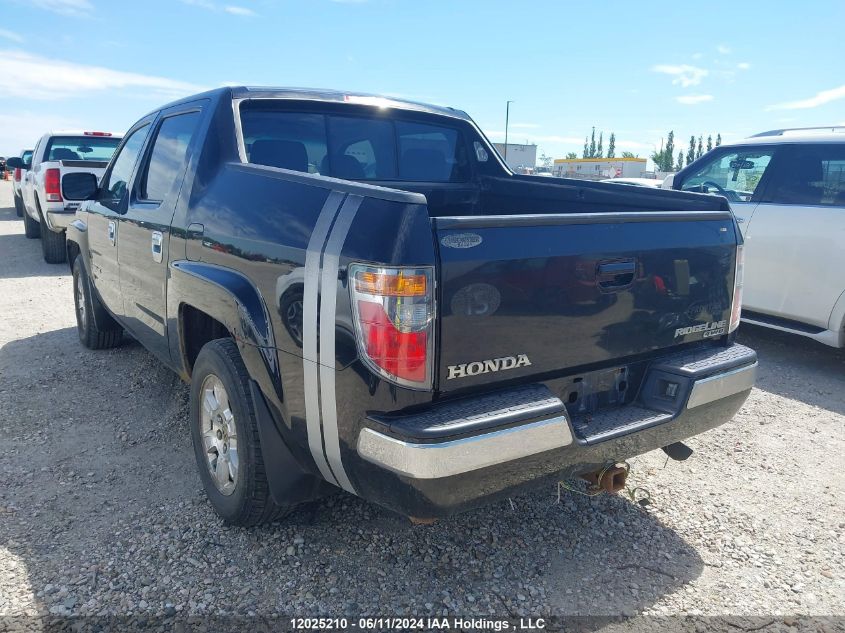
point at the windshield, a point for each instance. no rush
(98, 148)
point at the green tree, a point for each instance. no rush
(599, 149)
(698, 152)
(629, 155)
(571, 155)
(546, 161)
(664, 160)
(709, 142)
(611, 146)
(592, 153)
(680, 164)
(718, 140)
(586, 149)
(669, 153)
(691, 150)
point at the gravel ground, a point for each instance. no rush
(102, 512)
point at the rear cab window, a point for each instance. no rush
(734, 173)
(362, 147)
(93, 148)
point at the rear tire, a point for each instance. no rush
(18, 206)
(31, 228)
(89, 311)
(224, 430)
(53, 246)
(52, 243)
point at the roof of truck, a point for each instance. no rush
(340, 96)
(330, 96)
(829, 134)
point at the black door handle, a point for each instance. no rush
(616, 275)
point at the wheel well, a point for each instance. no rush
(198, 328)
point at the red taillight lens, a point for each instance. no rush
(17, 174)
(394, 315)
(53, 185)
(736, 305)
(401, 354)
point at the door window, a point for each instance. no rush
(734, 174)
(167, 158)
(810, 175)
(115, 187)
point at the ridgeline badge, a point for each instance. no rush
(713, 328)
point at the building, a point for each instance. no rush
(599, 168)
(520, 158)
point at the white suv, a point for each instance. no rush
(46, 211)
(787, 190)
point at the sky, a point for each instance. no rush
(633, 68)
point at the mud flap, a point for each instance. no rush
(289, 483)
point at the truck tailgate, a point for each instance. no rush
(522, 295)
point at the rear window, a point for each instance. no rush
(26, 156)
(99, 148)
(353, 147)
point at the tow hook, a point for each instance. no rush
(610, 478)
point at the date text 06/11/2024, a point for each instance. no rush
(410, 623)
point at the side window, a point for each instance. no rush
(430, 153)
(290, 140)
(167, 158)
(809, 175)
(733, 174)
(113, 190)
(362, 148)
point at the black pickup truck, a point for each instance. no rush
(363, 296)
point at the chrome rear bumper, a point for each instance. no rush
(723, 375)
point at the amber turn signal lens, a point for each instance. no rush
(390, 285)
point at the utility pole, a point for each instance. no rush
(507, 117)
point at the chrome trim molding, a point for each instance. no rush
(722, 385)
(445, 459)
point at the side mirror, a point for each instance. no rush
(81, 185)
(668, 182)
(15, 163)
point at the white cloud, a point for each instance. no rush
(242, 11)
(821, 98)
(743, 65)
(723, 49)
(34, 77)
(684, 74)
(64, 7)
(693, 99)
(11, 35)
(697, 55)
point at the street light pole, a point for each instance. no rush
(507, 117)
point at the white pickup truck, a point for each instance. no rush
(47, 211)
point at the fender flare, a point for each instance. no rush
(229, 297)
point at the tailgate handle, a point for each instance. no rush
(616, 275)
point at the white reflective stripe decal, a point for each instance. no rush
(328, 317)
(310, 296)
